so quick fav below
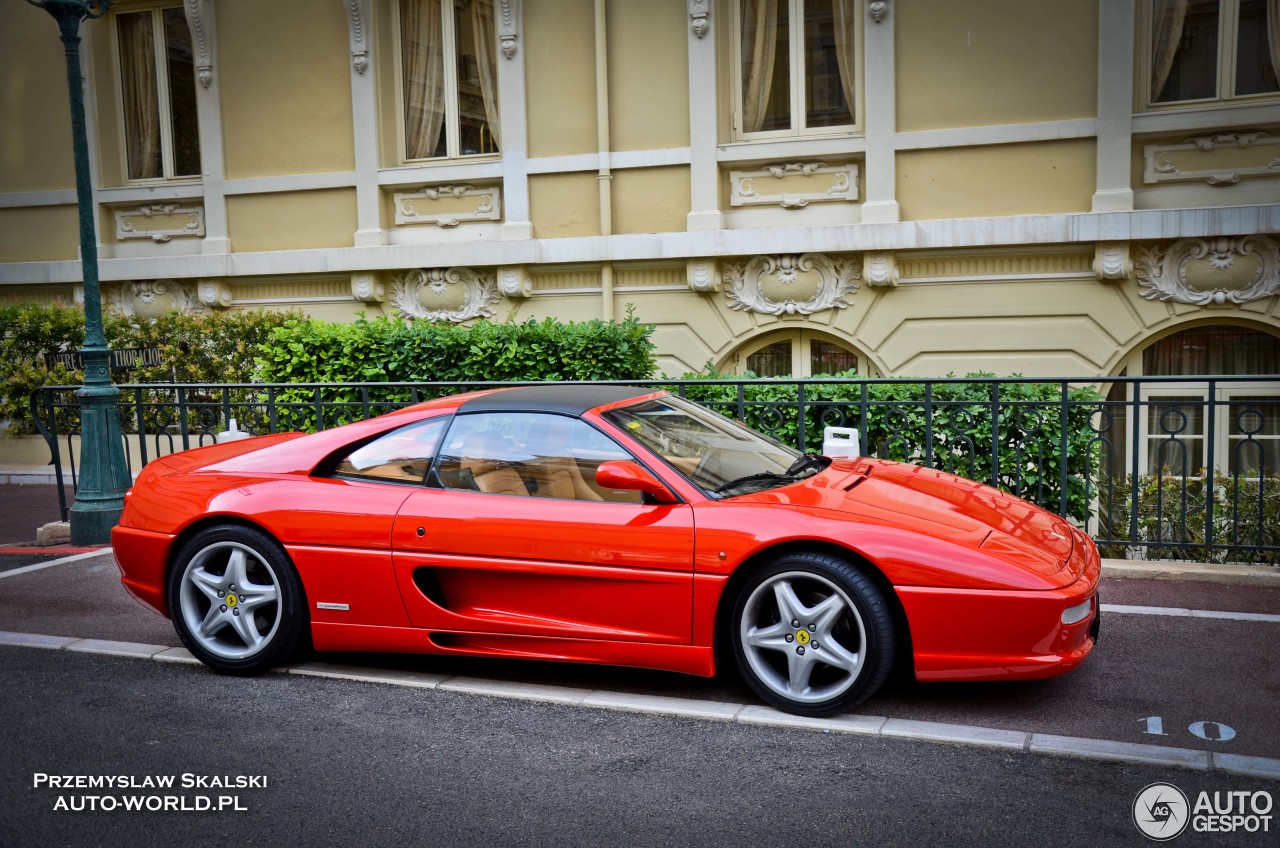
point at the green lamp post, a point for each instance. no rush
(104, 477)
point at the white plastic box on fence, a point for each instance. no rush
(232, 433)
(841, 442)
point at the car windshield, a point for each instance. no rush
(722, 457)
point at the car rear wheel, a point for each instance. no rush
(236, 600)
(812, 634)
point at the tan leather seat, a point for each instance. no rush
(481, 456)
(560, 477)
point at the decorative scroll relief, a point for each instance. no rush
(698, 17)
(153, 298)
(367, 287)
(1210, 271)
(794, 185)
(1111, 261)
(198, 15)
(514, 281)
(215, 294)
(508, 26)
(878, 9)
(788, 284)
(448, 206)
(159, 222)
(880, 268)
(1218, 160)
(444, 294)
(358, 34)
(703, 275)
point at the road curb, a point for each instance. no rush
(1044, 744)
(1237, 575)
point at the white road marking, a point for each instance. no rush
(954, 734)
(51, 563)
(1190, 613)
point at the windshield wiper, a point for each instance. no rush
(762, 477)
(805, 462)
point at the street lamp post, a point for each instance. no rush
(104, 477)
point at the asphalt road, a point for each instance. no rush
(370, 765)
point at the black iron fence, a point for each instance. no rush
(1153, 468)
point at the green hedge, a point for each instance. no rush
(212, 347)
(1172, 510)
(386, 350)
(1030, 426)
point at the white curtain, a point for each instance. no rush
(1166, 32)
(486, 36)
(422, 37)
(1273, 34)
(141, 96)
(759, 46)
(846, 50)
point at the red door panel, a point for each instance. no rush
(492, 563)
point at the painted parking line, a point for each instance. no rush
(746, 714)
(51, 563)
(1179, 612)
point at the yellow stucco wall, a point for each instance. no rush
(650, 200)
(563, 205)
(35, 132)
(648, 96)
(39, 233)
(292, 220)
(995, 62)
(289, 117)
(998, 179)
(560, 81)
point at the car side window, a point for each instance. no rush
(529, 454)
(401, 456)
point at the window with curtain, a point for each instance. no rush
(796, 353)
(449, 78)
(797, 66)
(1212, 50)
(157, 95)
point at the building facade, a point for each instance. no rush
(902, 187)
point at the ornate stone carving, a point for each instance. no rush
(1111, 260)
(794, 185)
(703, 275)
(197, 14)
(508, 26)
(1210, 271)
(1186, 162)
(367, 287)
(880, 268)
(153, 298)
(444, 294)
(215, 294)
(878, 10)
(699, 20)
(804, 284)
(159, 222)
(358, 35)
(514, 281)
(448, 206)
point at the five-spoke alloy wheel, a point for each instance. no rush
(812, 634)
(236, 601)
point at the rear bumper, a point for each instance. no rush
(142, 557)
(973, 634)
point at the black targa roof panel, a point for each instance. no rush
(559, 398)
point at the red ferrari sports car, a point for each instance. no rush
(611, 525)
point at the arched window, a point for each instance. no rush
(1179, 420)
(796, 353)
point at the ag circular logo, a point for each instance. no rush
(1161, 811)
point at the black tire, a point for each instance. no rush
(236, 600)
(844, 634)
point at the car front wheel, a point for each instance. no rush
(812, 634)
(236, 600)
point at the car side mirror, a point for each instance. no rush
(632, 477)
